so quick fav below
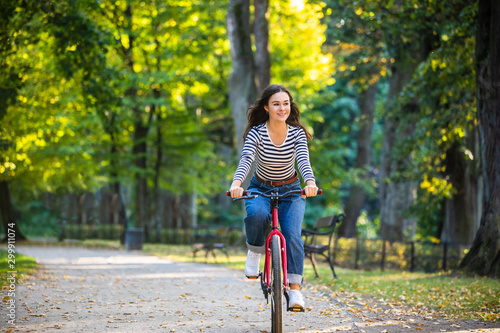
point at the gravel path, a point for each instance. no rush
(95, 290)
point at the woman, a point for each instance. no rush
(275, 135)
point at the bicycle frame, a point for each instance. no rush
(275, 231)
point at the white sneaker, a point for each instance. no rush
(296, 299)
(252, 265)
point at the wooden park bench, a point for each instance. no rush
(210, 242)
(319, 240)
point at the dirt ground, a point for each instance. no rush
(95, 290)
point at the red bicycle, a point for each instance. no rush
(274, 278)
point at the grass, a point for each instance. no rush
(446, 294)
(24, 265)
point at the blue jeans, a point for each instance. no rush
(290, 216)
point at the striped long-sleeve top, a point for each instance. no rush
(275, 162)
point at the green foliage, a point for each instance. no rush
(211, 212)
(39, 221)
(174, 62)
(44, 124)
(365, 227)
(333, 150)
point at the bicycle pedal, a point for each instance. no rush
(254, 277)
(296, 309)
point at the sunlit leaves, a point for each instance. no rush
(47, 133)
(296, 38)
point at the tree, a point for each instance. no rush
(261, 33)
(357, 194)
(42, 148)
(242, 88)
(484, 255)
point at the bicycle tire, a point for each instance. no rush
(276, 286)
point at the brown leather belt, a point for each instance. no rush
(277, 182)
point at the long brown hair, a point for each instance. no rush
(257, 115)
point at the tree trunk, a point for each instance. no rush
(167, 211)
(141, 128)
(139, 152)
(462, 211)
(261, 33)
(393, 194)
(116, 189)
(398, 195)
(9, 220)
(484, 255)
(357, 195)
(242, 89)
(193, 208)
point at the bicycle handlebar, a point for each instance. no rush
(248, 194)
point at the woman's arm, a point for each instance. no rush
(304, 165)
(247, 157)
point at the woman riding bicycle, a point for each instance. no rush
(275, 135)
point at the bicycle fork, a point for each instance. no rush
(267, 266)
(265, 278)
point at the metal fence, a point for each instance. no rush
(360, 253)
(113, 232)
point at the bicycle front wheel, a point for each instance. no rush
(276, 286)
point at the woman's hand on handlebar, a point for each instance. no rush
(311, 190)
(236, 190)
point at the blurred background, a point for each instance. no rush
(121, 114)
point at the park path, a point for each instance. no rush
(95, 290)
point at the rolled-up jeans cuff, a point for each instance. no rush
(295, 278)
(257, 249)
